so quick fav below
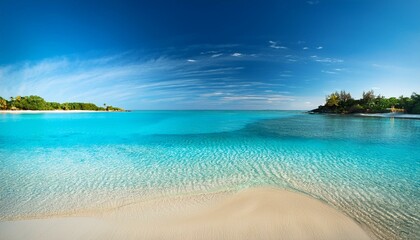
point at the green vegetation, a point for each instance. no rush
(38, 103)
(342, 102)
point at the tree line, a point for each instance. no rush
(38, 103)
(342, 102)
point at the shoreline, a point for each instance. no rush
(390, 115)
(52, 111)
(255, 213)
(377, 115)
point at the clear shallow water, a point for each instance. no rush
(369, 168)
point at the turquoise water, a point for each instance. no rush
(369, 168)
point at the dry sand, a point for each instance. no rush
(259, 213)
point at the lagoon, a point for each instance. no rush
(367, 168)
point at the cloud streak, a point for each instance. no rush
(326, 59)
(124, 80)
(201, 77)
(275, 45)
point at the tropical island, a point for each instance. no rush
(37, 103)
(343, 103)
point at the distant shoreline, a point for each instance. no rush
(52, 111)
(378, 115)
(389, 115)
(37, 103)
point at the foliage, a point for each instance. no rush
(342, 102)
(415, 108)
(38, 103)
(333, 100)
(3, 103)
(29, 103)
(111, 108)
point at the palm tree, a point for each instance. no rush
(333, 100)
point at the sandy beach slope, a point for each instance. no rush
(259, 213)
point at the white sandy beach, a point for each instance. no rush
(46, 111)
(259, 213)
(390, 115)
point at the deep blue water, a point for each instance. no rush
(369, 168)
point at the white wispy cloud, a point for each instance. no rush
(305, 48)
(275, 45)
(267, 97)
(213, 94)
(286, 75)
(320, 47)
(132, 82)
(209, 52)
(329, 60)
(216, 55)
(329, 72)
(292, 58)
(326, 59)
(103, 78)
(127, 81)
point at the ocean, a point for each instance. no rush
(63, 163)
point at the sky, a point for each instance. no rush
(229, 54)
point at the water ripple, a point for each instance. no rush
(363, 167)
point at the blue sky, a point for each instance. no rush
(208, 54)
